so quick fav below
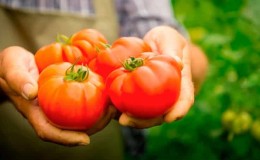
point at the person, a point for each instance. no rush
(28, 25)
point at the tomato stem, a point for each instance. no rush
(80, 75)
(105, 45)
(63, 39)
(132, 63)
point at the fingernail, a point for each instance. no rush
(174, 119)
(124, 121)
(85, 142)
(179, 61)
(27, 91)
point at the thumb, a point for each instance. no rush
(20, 71)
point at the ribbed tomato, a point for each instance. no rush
(81, 48)
(72, 97)
(146, 87)
(111, 58)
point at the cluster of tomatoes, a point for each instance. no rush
(81, 75)
(237, 123)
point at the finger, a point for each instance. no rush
(20, 71)
(43, 128)
(179, 62)
(186, 98)
(165, 40)
(48, 132)
(126, 120)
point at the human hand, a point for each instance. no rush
(18, 79)
(166, 40)
(109, 114)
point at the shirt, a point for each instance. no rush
(135, 17)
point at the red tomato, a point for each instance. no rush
(72, 97)
(90, 42)
(146, 87)
(112, 58)
(81, 48)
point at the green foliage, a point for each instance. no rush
(229, 33)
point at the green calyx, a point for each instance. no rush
(132, 63)
(63, 39)
(104, 45)
(80, 75)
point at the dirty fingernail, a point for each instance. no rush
(125, 121)
(27, 91)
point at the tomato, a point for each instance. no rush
(242, 123)
(255, 129)
(236, 122)
(81, 48)
(72, 97)
(146, 87)
(83, 38)
(112, 58)
(228, 118)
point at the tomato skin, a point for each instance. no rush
(71, 104)
(80, 48)
(148, 91)
(112, 58)
(90, 42)
(92, 36)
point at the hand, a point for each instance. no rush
(109, 114)
(166, 40)
(18, 79)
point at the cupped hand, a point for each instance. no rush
(18, 79)
(109, 114)
(166, 40)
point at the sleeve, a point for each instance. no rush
(136, 17)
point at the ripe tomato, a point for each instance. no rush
(81, 48)
(112, 58)
(71, 97)
(146, 87)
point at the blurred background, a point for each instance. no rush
(224, 123)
